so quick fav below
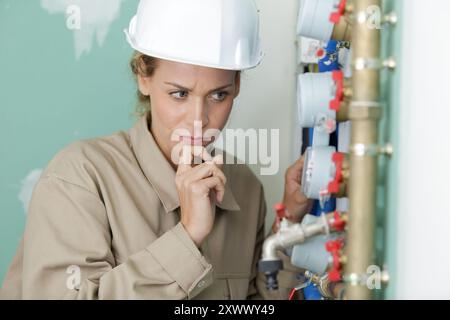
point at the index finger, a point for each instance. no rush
(200, 154)
(297, 168)
(185, 160)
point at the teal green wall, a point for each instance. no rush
(388, 178)
(49, 98)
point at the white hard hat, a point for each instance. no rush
(222, 34)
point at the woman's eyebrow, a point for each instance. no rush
(190, 90)
(178, 86)
(221, 88)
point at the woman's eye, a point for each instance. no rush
(179, 94)
(220, 96)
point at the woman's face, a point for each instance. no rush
(187, 101)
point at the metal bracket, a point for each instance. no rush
(362, 150)
(361, 64)
(365, 104)
(355, 279)
(390, 19)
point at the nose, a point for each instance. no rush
(199, 111)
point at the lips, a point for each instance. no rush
(194, 141)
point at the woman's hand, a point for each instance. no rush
(297, 205)
(198, 189)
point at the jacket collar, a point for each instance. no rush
(160, 173)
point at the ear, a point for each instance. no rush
(237, 82)
(144, 85)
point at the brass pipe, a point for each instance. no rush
(342, 114)
(328, 290)
(365, 114)
(343, 192)
(342, 31)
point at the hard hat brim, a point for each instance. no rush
(163, 56)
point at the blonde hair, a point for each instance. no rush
(145, 66)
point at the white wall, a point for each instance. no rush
(423, 217)
(268, 94)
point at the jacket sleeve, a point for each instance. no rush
(286, 278)
(67, 253)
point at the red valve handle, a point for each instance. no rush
(280, 209)
(335, 17)
(334, 275)
(338, 159)
(334, 248)
(338, 223)
(338, 77)
(281, 212)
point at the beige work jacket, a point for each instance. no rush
(104, 223)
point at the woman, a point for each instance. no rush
(121, 217)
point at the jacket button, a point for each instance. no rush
(201, 284)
